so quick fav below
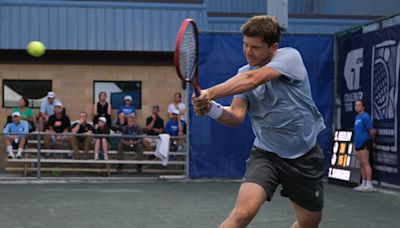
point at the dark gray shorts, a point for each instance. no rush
(301, 178)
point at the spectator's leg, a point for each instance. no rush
(139, 156)
(41, 123)
(9, 146)
(120, 151)
(74, 145)
(180, 140)
(104, 144)
(86, 147)
(96, 149)
(46, 140)
(21, 145)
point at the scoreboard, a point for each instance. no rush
(344, 167)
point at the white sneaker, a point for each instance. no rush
(359, 187)
(96, 156)
(368, 189)
(105, 156)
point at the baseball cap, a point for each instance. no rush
(51, 94)
(58, 104)
(176, 112)
(127, 97)
(16, 114)
(103, 119)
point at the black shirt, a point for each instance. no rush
(83, 128)
(104, 131)
(158, 124)
(102, 109)
(59, 125)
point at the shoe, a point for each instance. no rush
(105, 156)
(139, 169)
(96, 156)
(10, 156)
(368, 189)
(359, 188)
(19, 156)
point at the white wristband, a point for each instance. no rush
(215, 111)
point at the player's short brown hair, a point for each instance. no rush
(264, 26)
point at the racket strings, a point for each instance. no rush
(188, 53)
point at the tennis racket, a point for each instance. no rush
(186, 54)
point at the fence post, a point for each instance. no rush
(39, 146)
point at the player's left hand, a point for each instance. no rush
(201, 103)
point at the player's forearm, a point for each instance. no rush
(230, 118)
(242, 82)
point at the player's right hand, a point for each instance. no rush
(201, 104)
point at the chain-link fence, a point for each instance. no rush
(41, 155)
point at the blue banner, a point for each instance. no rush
(368, 69)
(220, 152)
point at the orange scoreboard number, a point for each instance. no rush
(344, 167)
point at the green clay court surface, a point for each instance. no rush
(177, 204)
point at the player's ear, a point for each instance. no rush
(274, 46)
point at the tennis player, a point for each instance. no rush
(274, 89)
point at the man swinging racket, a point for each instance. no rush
(274, 89)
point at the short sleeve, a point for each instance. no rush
(288, 62)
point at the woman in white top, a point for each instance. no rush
(177, 104)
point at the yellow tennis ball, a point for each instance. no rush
(36, 48)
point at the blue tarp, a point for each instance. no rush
(220, 152)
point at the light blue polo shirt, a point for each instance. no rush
(47, 108)
(284, 117)
(22, 127)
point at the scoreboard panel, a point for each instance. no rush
(344, 166)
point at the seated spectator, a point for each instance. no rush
(101, 141)
(154, 126)
(102, 108)
(177, 104)
(58, 123)
(16, 141)
(125, 110)
(46, 110)
(79, 142)
(175, 127)
(26, 112)
(132, 143)
(154, 123)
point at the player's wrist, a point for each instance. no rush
(216, 110)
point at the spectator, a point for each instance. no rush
(26, 112)
(102, 108)
(46, 110)
(154, 123)
(101, 142)
(132, 143)
(58, 123)
(125, 110)
(175, 127)
(16, 141)
(79, 142)
(177, 104)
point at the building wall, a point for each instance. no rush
(73, 84)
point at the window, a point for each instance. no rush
(117, 90)
(34, 90)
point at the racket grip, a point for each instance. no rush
(197, 90)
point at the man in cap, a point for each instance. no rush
(16, 141)
(176, 127)
(46, 110)
(59, 123)
(124, 110)
(79, 142)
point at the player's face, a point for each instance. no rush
(358, 107)
(256, 51)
